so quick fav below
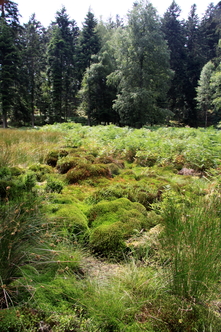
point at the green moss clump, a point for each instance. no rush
(145, 159)
(41, 171)
(108, 240)
(66, 163)
(86, 171)
(53, 156)
(109, 160)
(131, 216)
(68, 219)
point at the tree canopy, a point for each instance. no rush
(138, 71)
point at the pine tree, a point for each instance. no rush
(62, 69)
(174, 33)
(32, 65)
(9, 28)
(89, 43)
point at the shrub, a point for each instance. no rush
(145, 159)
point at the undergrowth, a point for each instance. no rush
(110, 229)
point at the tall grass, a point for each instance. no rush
(193, 243)
(20, 231)
(24, 147)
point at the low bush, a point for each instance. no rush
(54, 185)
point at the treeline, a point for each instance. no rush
(145, 70)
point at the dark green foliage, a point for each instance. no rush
(62, 71)
(8, 67)
(89, 42)
(31, 73)
(53, 157)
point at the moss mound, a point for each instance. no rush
(41, 171)
(66, 163)
(68, 219)
(53, 156)
(108, 240)
(82, 172)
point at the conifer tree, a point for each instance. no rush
(62, 70)
(9, 31)
(89, 42)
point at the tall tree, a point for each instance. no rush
(174, 33)
(194, 64)
(210, 28)
(33, 64)
(205, 94)
(143, 68)
(89, 42)
(9, 30)
(97, 97)
(62, 71)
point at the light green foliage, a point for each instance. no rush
(14, 187)
(112, 222)
(191, 239)
(143, 62)
(155, 233)
(41, 171)
(54, 185)
(106, 240)
(68, 219)
(205, 91)
(66, 163)
(20, 232)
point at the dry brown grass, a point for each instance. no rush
(24, 147)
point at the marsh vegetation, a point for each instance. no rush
(110, 229)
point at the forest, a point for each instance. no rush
(143, 70)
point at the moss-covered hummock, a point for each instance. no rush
(82, 172)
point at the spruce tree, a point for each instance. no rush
(62, 69)
(89, 43)
(9, 54)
